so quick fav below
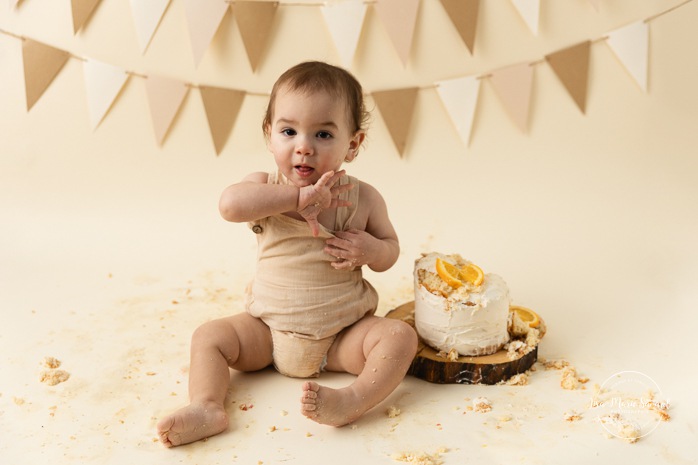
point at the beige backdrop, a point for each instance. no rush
(590, 218)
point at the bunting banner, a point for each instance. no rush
(463, 15)
(571, 65)
(513, 87)
(399, 18)
(42, 63)
(203, 18)
(631, 46)
(165, 96)
(147, 15)
(396, 107)
(222, 107)
(82, 10)
(345, 20)
(103, 82)
(459, 97)
(254, 19)
(512, 84)
(530, 12)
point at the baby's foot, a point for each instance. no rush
(191, 423)
(334, 407)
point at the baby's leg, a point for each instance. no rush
(241, 342)
(380, 351)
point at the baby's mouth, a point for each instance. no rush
(304, 170)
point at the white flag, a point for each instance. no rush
(103, 82)
(459, 96)
(631, 46)
(345, 20)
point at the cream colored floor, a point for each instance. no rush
(123, 334)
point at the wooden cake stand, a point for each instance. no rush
(486, 369)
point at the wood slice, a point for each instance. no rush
(486, 369)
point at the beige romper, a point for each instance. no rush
(298, 294)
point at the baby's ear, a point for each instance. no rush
(354, 145)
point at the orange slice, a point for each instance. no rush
(449, 273)
(527, 315)
(473, 274)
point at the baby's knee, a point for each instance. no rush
(404, 334)
(206, 334)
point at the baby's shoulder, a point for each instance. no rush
(260, 177)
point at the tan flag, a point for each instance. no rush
(463, 14)
(254, 19)
(571, 65)
(513, 86)
(82, 10)
(42, 63)
(399, 18)
(222, 107)
(203, 17)
(396, 108)
(165, 96)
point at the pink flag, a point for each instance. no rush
(513, 86)
(203, 17)
(399, 18)
(165, 96)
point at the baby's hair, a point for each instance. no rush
(313, 76)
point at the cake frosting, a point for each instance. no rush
(470, 319)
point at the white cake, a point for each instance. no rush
(470, 319)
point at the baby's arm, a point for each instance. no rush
(252, 198)
(377, 246)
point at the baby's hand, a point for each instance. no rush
(352, 248)
(321, 195)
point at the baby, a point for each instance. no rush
(308, 308)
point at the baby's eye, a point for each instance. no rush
(324, 135)
(288, 132)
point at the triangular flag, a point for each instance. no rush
(631, 46)
(530, 12)
(222, 107)
(254, 19)
(571, 65)
(203, 17)
(459, 96)
(165, 96)
(463, 14)
(103, 82)
(396, 108)
(595, 4)
(82, 10)
(513, 86)
(147, 15)
(345, 20)
(42, 63)
(399, 18)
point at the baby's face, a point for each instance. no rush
(310, 134)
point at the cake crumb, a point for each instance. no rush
(245, 407)
(420, 458)
(482, 404)
(622, 428)
(51, 362)
(53, 377)
(554, 364)
(572, 415)
(393, 412)
(308, 435)
(18, 400)
(284, 413)
(520, 379)
(571, 380)
(272, 429)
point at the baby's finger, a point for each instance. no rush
(324, 180)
